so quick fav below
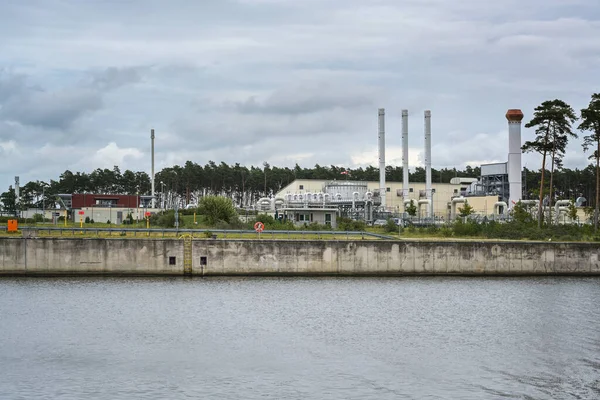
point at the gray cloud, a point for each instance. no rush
(310, 97)
(112, 78)
(284, 81)
(58, 109)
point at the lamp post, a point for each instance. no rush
(43, 203)
(162, 194)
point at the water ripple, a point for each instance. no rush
(409, 338)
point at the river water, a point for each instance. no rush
(255, 338)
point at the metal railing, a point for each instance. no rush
(73, 231)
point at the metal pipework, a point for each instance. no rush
(405, 178)
(382, 191)
(428, 160)
(152, 143)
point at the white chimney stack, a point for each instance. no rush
(382, 191)
(405, 182)
(514, 118)
(152, 176)
(428, 161)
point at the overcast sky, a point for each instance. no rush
(82, 82)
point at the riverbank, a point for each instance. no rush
(242, 257)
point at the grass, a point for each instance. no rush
(196, 235)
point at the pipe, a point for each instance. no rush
(558, 208)
(152, 172)
(405, 178)
(514, 118)
(421, 202)
(428, 159)
(497, 206)
(530, 202)
(454, 202)
(382, 156)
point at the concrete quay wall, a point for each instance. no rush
(223, 257)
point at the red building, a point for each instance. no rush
(105, 200)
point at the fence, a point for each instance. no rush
(231, 233)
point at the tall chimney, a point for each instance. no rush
(405, 182)
(382, 192)
(152, 176)
(428, 160)
(514, 118)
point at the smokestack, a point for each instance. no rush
(152, 176)
(514, 118)
(428, 159)
(382, 191)
(405, 182)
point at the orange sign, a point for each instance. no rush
(148, 213)
(13, 225)
(259, 226)
(81, 212)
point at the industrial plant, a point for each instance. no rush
(305, 201)
(491, 195)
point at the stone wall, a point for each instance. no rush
(48, 256)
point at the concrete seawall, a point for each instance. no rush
(56, 256)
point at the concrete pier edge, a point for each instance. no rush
(285, 257)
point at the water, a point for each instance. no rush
(405, 338)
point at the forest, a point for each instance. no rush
(245, 185)
(555, 123)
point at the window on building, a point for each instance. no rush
(388, 189)
(327, 219)
(455, 191)
(410, 190)
(301, 187)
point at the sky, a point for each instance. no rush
(283, 81)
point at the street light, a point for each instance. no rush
(162, 194)
(43, 201)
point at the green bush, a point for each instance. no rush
(38, 218)
(87, 220)
(217, 208)
(469, 228)
(271, 223)
(165, 219)
(390, 226)
(346, 224)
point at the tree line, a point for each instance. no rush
(553, 122)
(187, 183)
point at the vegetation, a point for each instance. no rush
(217, 209)
(590, 122)
(411, 209)
(552, 122)
(465, 210)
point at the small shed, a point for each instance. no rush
(302, 215)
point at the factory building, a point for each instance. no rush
(493, 193)
(105, 207)
(442, 196)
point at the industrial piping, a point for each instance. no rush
(153, 201)
(514, 118)
(405, 178)
(428, 161)
(382, 190)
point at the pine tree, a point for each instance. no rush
(552, 120)
(590, 117)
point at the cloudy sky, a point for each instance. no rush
(82, 82)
